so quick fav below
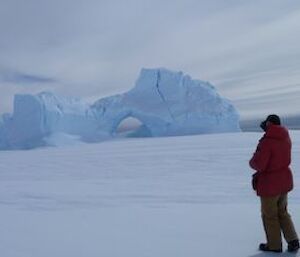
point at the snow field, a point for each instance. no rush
(173, 196)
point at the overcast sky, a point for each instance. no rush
(92, 48)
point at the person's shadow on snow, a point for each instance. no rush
(284, 254)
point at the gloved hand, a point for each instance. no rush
(254, 180)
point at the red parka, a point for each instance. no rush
(272, 159)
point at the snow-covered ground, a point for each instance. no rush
(156, 197)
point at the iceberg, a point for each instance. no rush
(36, 117)
(167, 103)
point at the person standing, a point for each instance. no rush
(272, 181)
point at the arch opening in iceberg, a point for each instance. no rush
(130, 126)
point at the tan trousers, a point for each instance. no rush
(275, 219)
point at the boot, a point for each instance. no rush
(265, 248)
(293, 246)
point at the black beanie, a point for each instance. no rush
(274, 119)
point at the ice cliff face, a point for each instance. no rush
(167, 103)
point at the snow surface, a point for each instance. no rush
(146, 197)
(167, 103)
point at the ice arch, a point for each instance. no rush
(114, 115)
(167, 103)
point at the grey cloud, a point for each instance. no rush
(9, 76)
(93, 48)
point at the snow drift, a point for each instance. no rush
(167, 104)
